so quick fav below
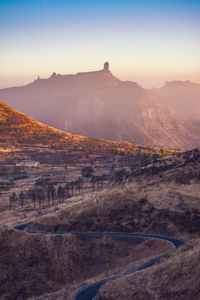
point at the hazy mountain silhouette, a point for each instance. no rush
(97, 104)
(183, 98)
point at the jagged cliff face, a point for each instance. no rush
(183, 98)
(97, 104)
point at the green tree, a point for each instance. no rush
(49, 195)
(53, 193)
(41, 198)
(72, 185)
(13, 200)
(120, 175)
(67, 188)
(62, 194)
(78, 184)
(33, 198)
(59, 193)
(87, 171)
(21, 199)
(93, 181)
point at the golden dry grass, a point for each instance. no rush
(33, 264)
(155, 203)
(130, 208)
(174, 278)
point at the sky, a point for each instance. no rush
(147, 41)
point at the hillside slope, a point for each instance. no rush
(183, 98)
(97, 104)
(17, 128)
(176, 278)
(161, 198)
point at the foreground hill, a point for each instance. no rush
(162, 198)
(175, 278)
(97, 104)
(45, 264)
(17, 128)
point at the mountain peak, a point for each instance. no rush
(106, 67)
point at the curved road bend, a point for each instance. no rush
(89, 292)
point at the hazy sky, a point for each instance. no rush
(148, 41)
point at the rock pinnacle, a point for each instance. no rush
(106, 67)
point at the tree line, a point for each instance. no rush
(50, 195)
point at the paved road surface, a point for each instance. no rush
(89, 292)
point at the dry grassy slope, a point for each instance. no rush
(140, 206)
(31, 265)
(154, 201)
(16, 128)
(137, 206)
(174, 278)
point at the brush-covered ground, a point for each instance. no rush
(160, 197)
(31, 265)
(34, 156)
(174, 278)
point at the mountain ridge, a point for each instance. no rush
(99, 105)
(17, 128)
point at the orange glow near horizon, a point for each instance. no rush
(149, 42)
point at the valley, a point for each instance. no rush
(99, 150)
(80, 198)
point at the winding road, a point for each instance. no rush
(89, 292)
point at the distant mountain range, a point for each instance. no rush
(17, 130)
(97, 104)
